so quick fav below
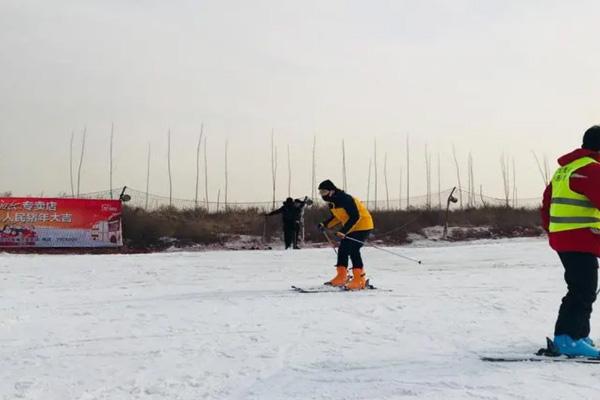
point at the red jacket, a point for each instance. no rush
(585, 181)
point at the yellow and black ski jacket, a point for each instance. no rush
(348, 211)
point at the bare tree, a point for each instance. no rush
(375, 171)
(471, 183)
(483, 202)
(369, 182)
(71, 164)
(439, 180)
(148, 176)
(205, 176)
(218, 199)
(546, 169)
(345, 182)
(428, 176)
(505, 178)
(400, 187)
(273, 165)
(289, 172)
(112, 132)
(198, 164)
(81, 160)
(314, 168)
(385, 177)
(407, 172)
(169, 168)
(514, 181)
(226, 174)
(458, 176)
(543, 171)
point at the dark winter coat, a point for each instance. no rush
(290, 213)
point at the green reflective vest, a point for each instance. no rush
(570, 210)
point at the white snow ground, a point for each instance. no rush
(224, 325)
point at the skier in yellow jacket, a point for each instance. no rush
(356, 223)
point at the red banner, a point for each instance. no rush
(49, 222)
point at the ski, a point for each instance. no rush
(549, 359)
(547, 354)
(333, 289)
(318, 289)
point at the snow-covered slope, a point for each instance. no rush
(224, 325)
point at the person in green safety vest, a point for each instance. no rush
(571, 216)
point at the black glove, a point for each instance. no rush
(321, 227)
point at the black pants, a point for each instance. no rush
(350, 248)
(581, 275)
(290, 234)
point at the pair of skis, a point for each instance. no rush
(334, 289)
(548, 354)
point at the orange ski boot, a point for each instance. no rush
(358, 281)
(340, 279)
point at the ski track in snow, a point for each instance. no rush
(225, 325)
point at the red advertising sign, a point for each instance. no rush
(49, 222)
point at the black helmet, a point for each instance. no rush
(591, 138)
(327, 185)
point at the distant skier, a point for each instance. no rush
(356, 223)
(300, 204)
(571, 215)
(290, 215)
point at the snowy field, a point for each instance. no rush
(225, 325)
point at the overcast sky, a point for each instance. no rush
(489, 77)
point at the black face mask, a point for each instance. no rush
(327, 198)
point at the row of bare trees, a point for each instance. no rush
(508, 176)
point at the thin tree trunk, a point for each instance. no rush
(473, 179)
(505, 179)
(198, 164)
(169, 168)
(458, 176)
(226, 175)
(345, 182)
(148, 177)
(481, 196)
(289, 172)
(546, 169)
(369, 183)
(439, 174)
(407, 172)
(314, 168)
(428, 177)
(471, 182)
(206, 177)
(514, 183)
(81, 160)
(218, 199)
(542, 173)
(71, 164)
(400, 188)
(385, 177)
(273, 166)
(112, 131)
(375, 172)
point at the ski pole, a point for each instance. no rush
(330, 241)
(382, 249)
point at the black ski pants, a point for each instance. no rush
(351, 249)
(290, 234)
(581, 275)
